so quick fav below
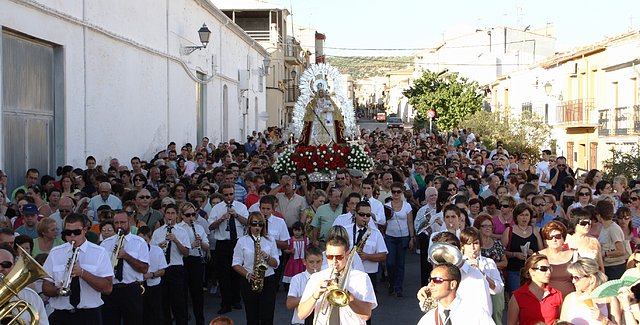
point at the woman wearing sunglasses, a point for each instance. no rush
(634, 205)
(578, 307)
(558, 255)
(535, 301)
(584, 197)
(259, 306)
(580, 240)
(514, 238)
(623, 219)
(400, 235)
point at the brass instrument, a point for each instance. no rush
(25, 271)
(440, 253)
(197, 237)
(259, 267)
(166, 238)
(65, 287)
(117, 248)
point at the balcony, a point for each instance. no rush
(619, 121)
(576, 113)
(603, 123)
(293, 91)
(636, 118)
(623, 120)
(292, 51)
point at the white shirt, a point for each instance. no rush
(218, 211)
(192, 238)
(397, 226)
(244, 253)
(34, 300)
(91, 258)
(474, 287)
(347, 219)
(358, 284)
(254, 207)
(157, 262)
(377, 208)
(465, 312)
(134, 246)
(278, 230)
(542, 168)
(489, 267)
(374, 245)
(296, 288)
(160, 236)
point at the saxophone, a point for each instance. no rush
(259, 267)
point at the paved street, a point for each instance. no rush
(391, 310)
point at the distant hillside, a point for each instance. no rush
(369, 66)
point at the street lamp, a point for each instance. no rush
(547, 88)
(203, 33)
(264, 69)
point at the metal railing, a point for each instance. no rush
(576, 112)
(622, 120)
(603, 122)
(636, 118)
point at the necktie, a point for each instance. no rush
(360, 235)
(74, 299)
(233, 232)
(334, 318)
(447, 320)
(119, 268)
(167, 254)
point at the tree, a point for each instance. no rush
(625, 163)
(452, 97)
(525, 134)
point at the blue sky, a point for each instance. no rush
(408, 24)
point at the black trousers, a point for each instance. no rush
(425, 266)
(123, 305)
(153, 302)
(227, 278)
(194, 272)
(173, 290)
(259, 307)
(91, 316)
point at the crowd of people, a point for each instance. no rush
(141, 243)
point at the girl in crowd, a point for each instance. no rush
(259, 305)
(552, 208)
(68, 187)
(535, 301)
(593, 177)
(578, 307)
(399, 236)
(623, 218)
(297, 246)
(580, 240)
(603, 187)
(558, 255)
(521, 234)
(471, 248)
(568, 196)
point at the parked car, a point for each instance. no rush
(381, 117)
(395, 123)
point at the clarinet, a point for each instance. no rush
(229, 206)
(195, 235)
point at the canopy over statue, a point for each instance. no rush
(323, 115)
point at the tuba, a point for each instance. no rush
(259, 267)
(25, 271)
(440, 253)
(117, 248)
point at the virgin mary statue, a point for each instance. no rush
(323, 122)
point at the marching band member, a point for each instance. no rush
(175, 243)
(312, 262)
(152, 299)
(259, 290)
(91, 275)
(8, 259)
(377, 208)
(195, 262)
(374, 250)
(227, 220)
(132, 262)
(362, 299)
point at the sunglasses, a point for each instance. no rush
(556, 236)
(228, 194)
(339, 178)
(6, 264)
(69, 232)
(439, 280)
(64, 210)
(452, 189)
(584, 194)
(362, 214)
(144, 197)
(335, 257)
(257, 224)
(396, 192)
(584, 223)
(543, 268)
(504, 206)
(576, 277)
(626, 218)
(540, 204)
(561, 165)
(634, 198)
(189, 215)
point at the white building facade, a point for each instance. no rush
(112, 79)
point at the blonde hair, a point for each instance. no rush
(586, 267)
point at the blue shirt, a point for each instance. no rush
(546, 217)
(97, 201)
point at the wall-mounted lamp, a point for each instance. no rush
(264, 69)
(203, 33)
(547, 88)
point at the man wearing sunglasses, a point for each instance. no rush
(7, 262)
(557, 175)
(362, 298)
(443, 285)
(91, 275)
(125, 301)
(144, 211)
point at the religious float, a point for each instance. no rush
(323, 132)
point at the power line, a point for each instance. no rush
(373, 59)
(428, 48)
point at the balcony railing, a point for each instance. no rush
(603, 122)
(622, 120)
(636, 118)
(576, 112)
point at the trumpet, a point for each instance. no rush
(117, 248)
(65, 287)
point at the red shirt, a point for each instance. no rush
(533, 310)
(251, 199)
